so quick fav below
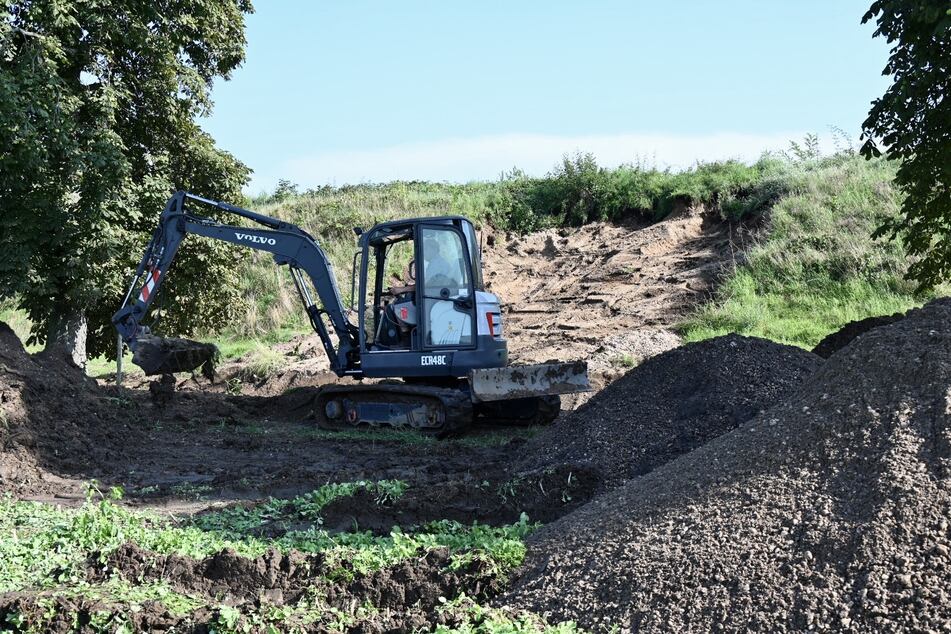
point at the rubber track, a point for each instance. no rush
(456, 404)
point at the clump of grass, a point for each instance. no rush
(624, 361)
(262, 362)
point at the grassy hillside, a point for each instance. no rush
(814, 266)
(579, 191)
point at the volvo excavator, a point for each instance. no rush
(435, 341)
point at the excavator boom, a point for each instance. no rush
(289, 245)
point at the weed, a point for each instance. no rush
(190, 490)
(624, 361)
(476, 619)
(234, 386)
(261, 363)
(508, 490)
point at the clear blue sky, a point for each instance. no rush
(349, 91)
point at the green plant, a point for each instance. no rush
(477, 619)
(43, 546)
(624, 361)
(262, 362)
(191, 490)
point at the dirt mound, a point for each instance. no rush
(842, 337)
(672, 404)
(53, 420)
(609, 294)
(830, 511)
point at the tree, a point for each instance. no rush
(912, 123)
(285, 189)
(98, 109)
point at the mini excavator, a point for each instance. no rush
(436, 343)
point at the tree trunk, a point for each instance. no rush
(66, 338)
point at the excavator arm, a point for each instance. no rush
(289, 244)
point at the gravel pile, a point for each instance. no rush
(672, 404)
(845, 335)
(830, 511)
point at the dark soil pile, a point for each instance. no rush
(671, 404)
(845, 335)
(830, 511)
(53, 420)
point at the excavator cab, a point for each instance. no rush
(425, 311)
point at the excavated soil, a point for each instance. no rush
(604, 293)
(54, 421)
(186, 450)
(829, 511)
(670, 405)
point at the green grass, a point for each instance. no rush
(482, 439)
(19, 322)
(815, 266)
(261, 362)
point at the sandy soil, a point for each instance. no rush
(608, 294)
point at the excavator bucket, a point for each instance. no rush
(522, 381)
(161, 355)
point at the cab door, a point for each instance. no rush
(445, 288)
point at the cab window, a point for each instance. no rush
(444, 264)
(445, 281)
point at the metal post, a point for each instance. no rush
(118, 359)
